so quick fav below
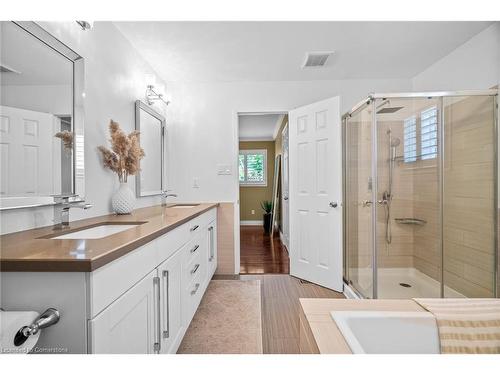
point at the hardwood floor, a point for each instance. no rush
(259, 254)
(280, 310)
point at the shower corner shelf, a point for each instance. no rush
(410, 221)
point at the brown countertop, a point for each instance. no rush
(32, 250)
(328, 338)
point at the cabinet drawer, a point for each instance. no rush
(196, 226)
(195, 266)
(193, 248)
(193, 294)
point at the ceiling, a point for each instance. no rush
(258, 127)
(36, 63)
(275, 51)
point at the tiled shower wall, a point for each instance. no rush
(469, 196)
(468, 178)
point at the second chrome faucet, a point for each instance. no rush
(165, 195)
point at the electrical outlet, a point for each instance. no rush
(253, 212)
(196, 183)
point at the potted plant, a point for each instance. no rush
(267, 206)
(123, 159)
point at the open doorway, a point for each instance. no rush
(263, 180)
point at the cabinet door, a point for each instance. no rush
(130, 324)
(170, 302)
(212, 248)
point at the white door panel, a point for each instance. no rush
(315, 187)
(127, 326)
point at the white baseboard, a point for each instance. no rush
(251, 222)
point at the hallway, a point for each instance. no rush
(260, 255)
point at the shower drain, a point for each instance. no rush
(405, 285)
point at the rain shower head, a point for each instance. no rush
(381, 110)
(389, 110)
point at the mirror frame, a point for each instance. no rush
(140, 106)
(78, 115)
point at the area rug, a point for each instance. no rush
(228, 320)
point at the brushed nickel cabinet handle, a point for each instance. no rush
(193, 271)
(166, 302)
(211, 249)
(196, 287)
(194, 249)
(157, 331)
(194, 228)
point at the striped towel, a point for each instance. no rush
(466, 325)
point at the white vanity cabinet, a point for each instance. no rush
(141, 302)
(153, 314)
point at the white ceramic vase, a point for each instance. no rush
(123, 200)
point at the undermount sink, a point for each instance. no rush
(183, 206)
(388, 332)
(99, 231)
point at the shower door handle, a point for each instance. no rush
(366, 203)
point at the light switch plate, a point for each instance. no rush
(224, 169)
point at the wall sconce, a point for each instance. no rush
(152, 96)
(85, 25)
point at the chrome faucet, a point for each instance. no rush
(62, 206)
(164, 195)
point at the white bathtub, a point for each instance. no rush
(384, 332)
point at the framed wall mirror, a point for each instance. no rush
(151, 178)
(41, 117)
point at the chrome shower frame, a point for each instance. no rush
(370, 100)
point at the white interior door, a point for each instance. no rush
(30, 154)
(315, 169)
(285, 212)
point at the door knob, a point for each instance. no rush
(333, 204)
(285, 198)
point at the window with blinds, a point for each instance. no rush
(410, 139)
(253, 167)
(428, 133)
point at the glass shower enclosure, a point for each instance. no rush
(420, 195)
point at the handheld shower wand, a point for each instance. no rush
(387, 195)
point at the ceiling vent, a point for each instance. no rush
(6, 69)
(316, 59)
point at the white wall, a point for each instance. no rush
(55, 99)
(473, 65)
(114, 80)
(202, 119)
